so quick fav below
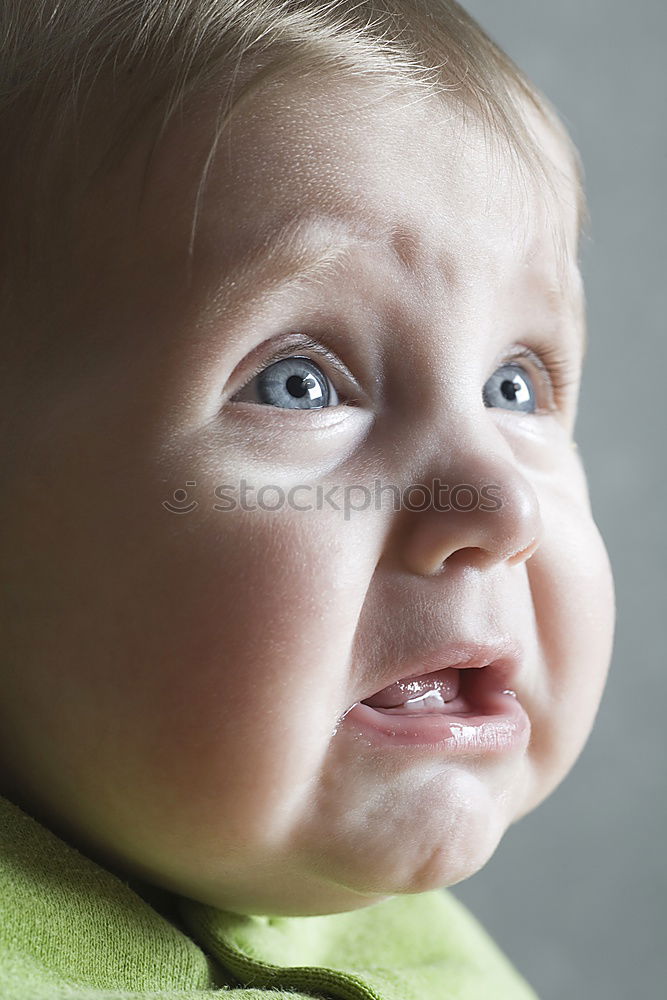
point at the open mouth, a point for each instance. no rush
(454, 690)
(468, 709)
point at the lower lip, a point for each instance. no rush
(500, 726)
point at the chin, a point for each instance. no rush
(443, 870)
(444, 866)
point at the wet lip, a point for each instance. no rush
(485, 717)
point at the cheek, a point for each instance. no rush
(573, 596)
(253, 640)
(202, 658)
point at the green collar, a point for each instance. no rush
(69, 927)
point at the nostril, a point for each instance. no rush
(470, 556)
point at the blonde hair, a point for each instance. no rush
(80, 78)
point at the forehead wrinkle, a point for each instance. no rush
(406, 247)
(309, 249)
(313, 247)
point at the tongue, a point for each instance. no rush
(446, 682)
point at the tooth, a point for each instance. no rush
(412, 691)
(430, 699)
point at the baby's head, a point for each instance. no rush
(343, 269)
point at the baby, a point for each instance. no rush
(304, 603)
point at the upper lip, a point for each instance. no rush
(504, 656)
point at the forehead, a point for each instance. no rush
(303, 174)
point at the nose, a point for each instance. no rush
(483, 511)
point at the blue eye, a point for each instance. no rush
(294, 383)
(510, 388)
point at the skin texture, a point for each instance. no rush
(173, 683)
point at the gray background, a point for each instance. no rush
(576, 893)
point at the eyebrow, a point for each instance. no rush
(314, 248)
(308, 248)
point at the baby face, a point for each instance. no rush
(183, 675)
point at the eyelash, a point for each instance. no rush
(303, 346)
(552, 362)
(549, 359)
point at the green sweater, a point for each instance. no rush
(70, 928)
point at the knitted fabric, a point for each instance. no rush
(71, 929)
